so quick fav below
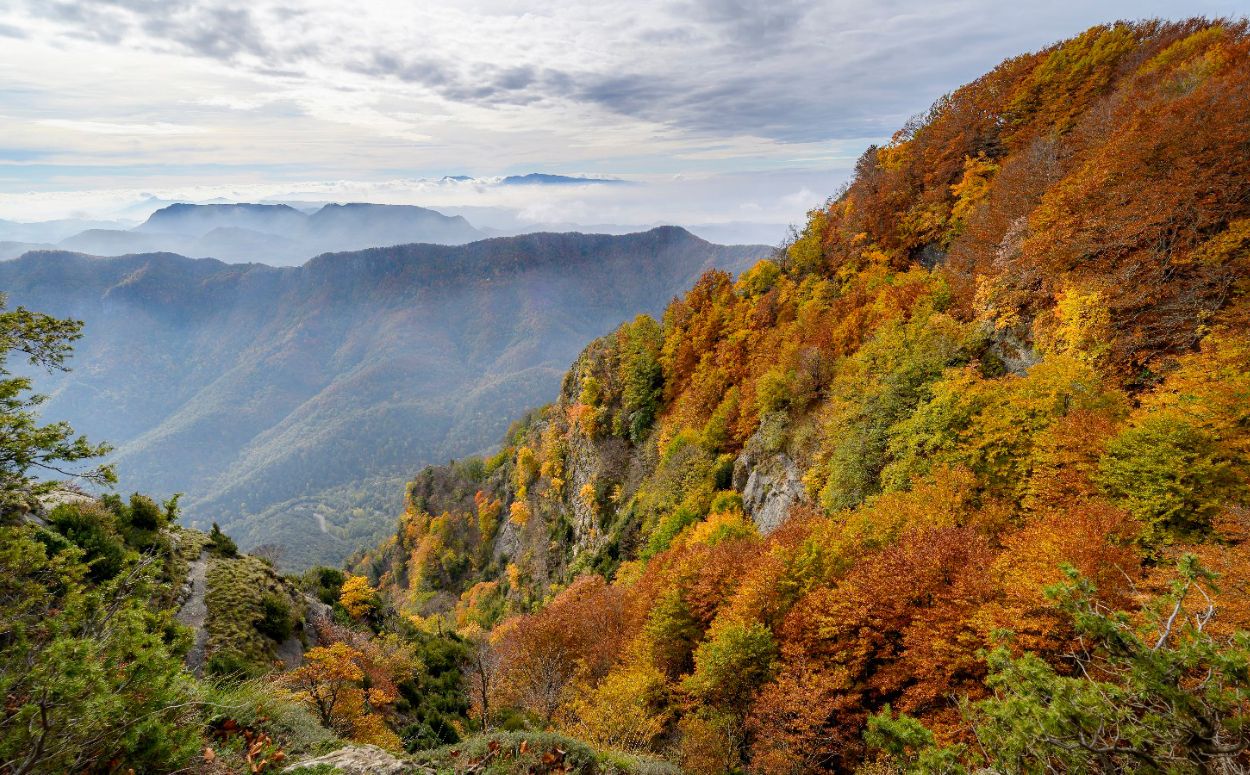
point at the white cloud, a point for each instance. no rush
(125, 95)
(110, 128)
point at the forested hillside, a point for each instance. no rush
(288, 404)
(129, 644)
(958, 480)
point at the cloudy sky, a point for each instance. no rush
(720, 110)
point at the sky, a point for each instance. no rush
(718, 110)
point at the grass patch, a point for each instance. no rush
(258, 704)
(189, 544)
(240, 592)
(237, 713)
(183, 547)
(519, 753)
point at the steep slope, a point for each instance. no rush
(248, 386)
(1017, 342)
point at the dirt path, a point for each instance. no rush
(194, 613)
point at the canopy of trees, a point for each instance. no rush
(1012, 353)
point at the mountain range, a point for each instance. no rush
(284, 401)
(275, 234)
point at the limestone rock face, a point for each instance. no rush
(507, 541)
(770, 485)
(360, 760)
(592, 462)
(1013, 349)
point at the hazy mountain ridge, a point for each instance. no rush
(51, 231)
(290, 381)
(272, 233)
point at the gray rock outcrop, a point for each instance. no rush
(359, 760)
(771, 485)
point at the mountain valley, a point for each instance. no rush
(276, 397)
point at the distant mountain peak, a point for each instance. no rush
(335, 208)
(187, 218)
(547, 179)
(216, 209)
(277, 234)
(181, 207)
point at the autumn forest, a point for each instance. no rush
(957, 481)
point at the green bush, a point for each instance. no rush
(231, 664)
(435, 702)
(726, 500)
(145, 514)
(676, 521)
(141, 521)
(1167, 473)
(275, 619)
(326, 583)
(772, 390)
(221, 544)
(78, 694)
(92, 528)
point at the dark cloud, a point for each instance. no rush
(789, 70)
(490, 84)
(217, 31)
(425, 71)
(752, 24)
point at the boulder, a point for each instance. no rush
(360, 760)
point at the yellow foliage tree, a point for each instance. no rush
(519, 513)
(589, 497)
(357, 597)
(971, 190)
(488, 510)
(626, 711)
(1079, 327)
(330, 682)
(527, 466)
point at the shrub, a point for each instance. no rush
(676, 521)
(145, 514)
(325, 583)
(231, 664)
(222, 544)
(275, 619)
(89, 672)
(93, 529)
